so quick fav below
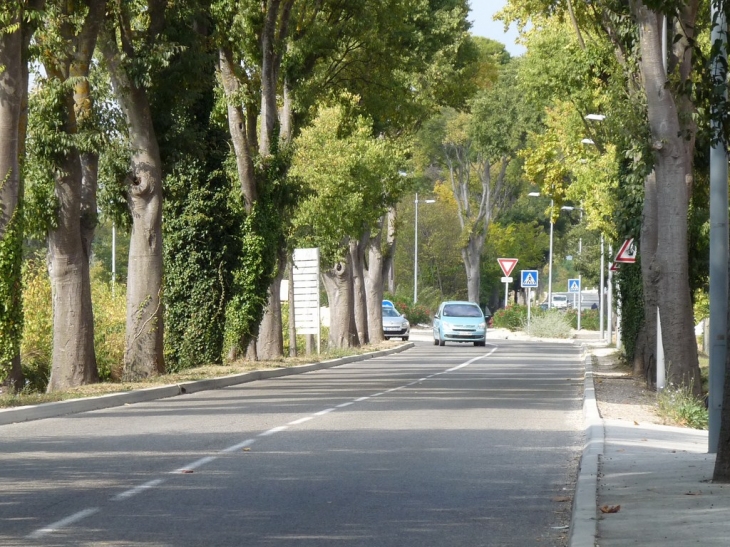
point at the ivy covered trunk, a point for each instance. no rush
(11, 227)
(647, 250)
(338, 284)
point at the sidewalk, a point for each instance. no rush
(656, 478)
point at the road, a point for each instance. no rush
(457, 446)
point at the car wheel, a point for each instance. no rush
(442, 342)
(405, 339)
(480, 344)
(435, 341)
(387, 337)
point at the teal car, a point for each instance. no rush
(459, 321)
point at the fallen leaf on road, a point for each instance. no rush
(610, 509)
(636, 423)
(186, 471)
(561, 498)
(690, 493)
(247, 449)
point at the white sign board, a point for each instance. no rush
(306, 291)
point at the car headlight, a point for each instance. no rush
(448, 326)
(406, 324)
(482, 325)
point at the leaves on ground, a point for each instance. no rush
(610, 509)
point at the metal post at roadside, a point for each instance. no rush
(580, 294)
(529, 300)
(600, 294)
(609, 303)
(718, 236)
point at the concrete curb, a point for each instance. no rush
(73, 406)
(584, 521)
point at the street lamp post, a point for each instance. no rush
(415, 250)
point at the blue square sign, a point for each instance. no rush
(574, 285)
(529, 278)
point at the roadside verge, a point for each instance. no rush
(73, 406)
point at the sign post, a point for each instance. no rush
(528, 280)
(306, 292)
(507, 265)
(574, 288)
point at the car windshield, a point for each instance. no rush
(390, 312)
(462, 310)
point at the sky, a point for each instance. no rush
(483, 25)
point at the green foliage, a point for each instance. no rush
(11, 305)
(200, 249)
(417, 314)
(110, 320)
(37, 343)
(548, 324)
(589, 319)
(352, 179)
(682, 407)
(512, 317)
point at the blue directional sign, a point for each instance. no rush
(574, 285)
(529, 278)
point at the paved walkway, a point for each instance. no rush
(654, 482)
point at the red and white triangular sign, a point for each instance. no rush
(627, 252)
(507, 265)
(613, 267)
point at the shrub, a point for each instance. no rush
(548, 324)
(110, 318)
(512, 318)
(37, 344)
(36, 349)
(589, 319)
(417, 314)
(682, 407)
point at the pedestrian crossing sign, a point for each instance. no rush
(574, 285)
(529, 278)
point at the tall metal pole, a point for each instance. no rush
(718, 241)
(609, 303)
(550, 260)
(600, 293)
(114, 256)
(415, 256)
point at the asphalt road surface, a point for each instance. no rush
(452, 446)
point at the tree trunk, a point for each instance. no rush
(143, 355)
(292, 310)
(337, 283)
(270, 341)
(389, 252)
(471, 256)
(671, 263)
(73, 358)
(374, 288)
(357, 252)
(12, 90)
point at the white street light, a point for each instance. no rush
(415, 250)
